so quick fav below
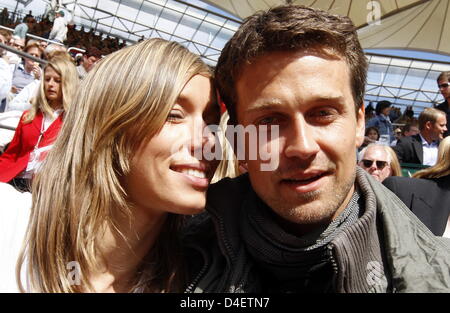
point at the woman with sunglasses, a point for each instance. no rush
(380, 161)
(109, 201)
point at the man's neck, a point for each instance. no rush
(425, 135)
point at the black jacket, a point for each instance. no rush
(444, 107)
(428, 199)
(409, 149)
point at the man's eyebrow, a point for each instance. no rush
(264, 104)
(274, 103)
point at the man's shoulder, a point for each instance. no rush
(409, 139)
(443, 106)
(398, 183)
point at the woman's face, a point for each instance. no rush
(52, 87)
(372, 134)
(169, 173)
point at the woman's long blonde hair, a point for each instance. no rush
(442, 166)
(63, 65)
(120, 105)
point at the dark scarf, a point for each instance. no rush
(291, 263)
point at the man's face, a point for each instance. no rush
(19, 44)
(89, 62)
(413, 130)
(444, 88)
(308, 95)
(439, 127)
(386, 111)
(3, 41)
(376, 162)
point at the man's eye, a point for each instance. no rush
(268, 120)
(323, 115)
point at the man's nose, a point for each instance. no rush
(301, 142)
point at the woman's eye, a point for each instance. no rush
(174, 116)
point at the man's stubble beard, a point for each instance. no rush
(307, 208)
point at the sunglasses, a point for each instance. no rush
(444, 85)
(380, 164)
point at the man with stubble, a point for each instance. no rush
(315, 222)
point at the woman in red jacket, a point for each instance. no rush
(39, 126)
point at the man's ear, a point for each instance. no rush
(360, 126)
(428, 125)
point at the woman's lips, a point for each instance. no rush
(195, 175)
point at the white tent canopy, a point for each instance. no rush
(403, 24)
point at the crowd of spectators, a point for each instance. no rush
(78, 38)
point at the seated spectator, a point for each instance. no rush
(397, 134)
(410, 129)
(5, 74)
(371, 135)
(382, 121)
(427, 194)
(423, 147)
(88, 61)
(379, 161)
(27, 71)
(22, 101)
(39, 126)
(16, 43)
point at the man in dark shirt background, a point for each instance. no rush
(444, 88)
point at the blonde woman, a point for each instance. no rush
(109, 200)
(427, 194)
(39, 126)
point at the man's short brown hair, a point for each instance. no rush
(289, 28)
(429, 114)
(443, 76)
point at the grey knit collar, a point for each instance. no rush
(267, 242)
